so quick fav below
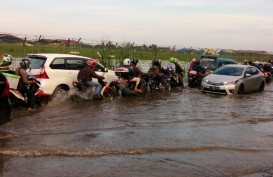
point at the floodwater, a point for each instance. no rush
(181, 133)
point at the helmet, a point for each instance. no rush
(24, 63)
(134, 61)
(172, 60)
(126, 61)
(91, 63)
(9, 58)
(5, 59)
(157, 62)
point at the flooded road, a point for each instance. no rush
(181, 133)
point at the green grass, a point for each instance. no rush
(110, 52)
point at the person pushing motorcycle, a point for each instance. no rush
(24, 82)
(86, 74)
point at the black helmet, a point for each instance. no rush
(134, 61)
(24, 63)
(157, 62)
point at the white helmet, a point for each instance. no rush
(126, 61)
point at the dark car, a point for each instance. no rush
(211, 63)
(5, 107)
(266, 69)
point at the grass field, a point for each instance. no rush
(105, 53)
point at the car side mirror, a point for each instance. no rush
(248, 75)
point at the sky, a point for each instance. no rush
(232, 24)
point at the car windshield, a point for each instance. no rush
(230, 71)
(208, 63)
(36, 62)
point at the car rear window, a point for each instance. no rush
(36, 62)
(229, 71)
(208, 63)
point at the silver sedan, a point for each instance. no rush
(234, 79)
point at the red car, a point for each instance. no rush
(5, 107)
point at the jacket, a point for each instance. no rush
(86, 74)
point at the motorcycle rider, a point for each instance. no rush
(157, 73)
(6, 64)
(131, 76)
(177, 70)
(139, 74)
(86, 74)
(199, 71)
(24, 82)
(192, 63)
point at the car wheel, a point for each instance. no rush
(241, 89)
(261, 87)
(60, 93)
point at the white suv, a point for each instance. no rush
(56, 72)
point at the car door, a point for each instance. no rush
(248, 80)
(257, 79)
(73, 65)
(56, 74)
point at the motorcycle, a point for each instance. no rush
(17, 98)
(81, 90)
(195, 79)
(173, 79)
(125, 87)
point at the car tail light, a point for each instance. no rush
(43, 74)
(6, 90)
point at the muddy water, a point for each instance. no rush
(181, 133)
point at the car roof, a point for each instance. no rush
(261, 62)
(237, 65)
(218, 58)
(56, 55)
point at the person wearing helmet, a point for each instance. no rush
(139, 74)
(192, 64)
(24, 82)
(131, 76)
(177, 70)
(6, 63)
(86, 74)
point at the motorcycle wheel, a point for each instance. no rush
(15, 102)
(109, 95)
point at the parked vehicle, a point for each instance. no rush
(56, 72)
(5, 107)
(86, 92)
(211, 63)
(234, 79)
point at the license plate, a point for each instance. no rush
(213, 88)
